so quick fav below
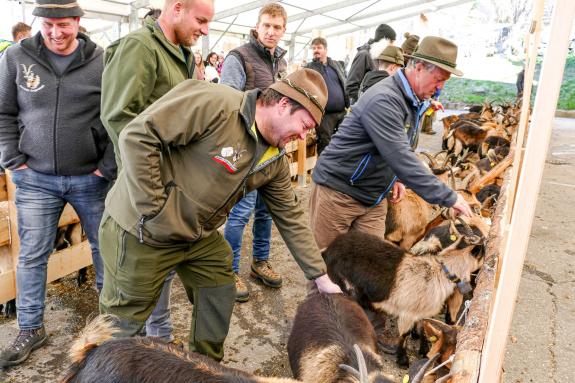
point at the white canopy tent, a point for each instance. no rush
(350, 23)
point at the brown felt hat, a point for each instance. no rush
(57, 9)
(440, 52)
(392, 55)
(307, 87)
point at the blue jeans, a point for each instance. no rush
(159, 323)
(40, 199)
(262, 228)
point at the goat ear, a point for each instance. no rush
(478, 251)
(431, 329)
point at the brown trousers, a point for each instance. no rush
(332, 213)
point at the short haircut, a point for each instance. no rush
(273, 9)
(187, 3)
(19, 28)
(154, 13)
(414, 61)
(383, 65)
(270, 97)
(319, 41)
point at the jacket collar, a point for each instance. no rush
(248, 115)
(408, 92)
(35, 46)
(176, 50)
(279, 52)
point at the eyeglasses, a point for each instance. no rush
(311, 97)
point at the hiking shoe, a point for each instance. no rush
(430, 132)
(262, 270)
(242, 293)
(26, 342)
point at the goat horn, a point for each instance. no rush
(350, 369)
(418, 378)
(468, 236)
(363, 375)
(438, 153)
(432, 161)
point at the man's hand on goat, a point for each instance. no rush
(462, 207)
(325, 285)
(398, 192)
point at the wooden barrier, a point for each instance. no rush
(61, 262)
(481, 343)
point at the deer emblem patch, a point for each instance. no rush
(32, 79)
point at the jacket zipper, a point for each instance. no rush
(242, 185)
(56, 123)
(360, 168)
(144, 218)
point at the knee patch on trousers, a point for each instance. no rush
(214, 306)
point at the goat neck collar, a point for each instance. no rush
(452, 277)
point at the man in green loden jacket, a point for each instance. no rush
(181, 177)
(140, 68)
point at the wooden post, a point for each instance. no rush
(530, 63)
(527, 192)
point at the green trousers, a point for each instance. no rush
(134, 274)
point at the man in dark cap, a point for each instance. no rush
(57, 151)
(374, 149)
(409, 45)
(181, 177)
(363, 61)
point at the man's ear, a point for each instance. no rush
(284, 102)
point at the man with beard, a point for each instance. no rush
(182, 176)
(140, 68)
(337, 100)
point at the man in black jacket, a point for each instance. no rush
(337, 100)
(58, 152)
(363, 62)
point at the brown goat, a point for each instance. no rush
(98, 357)
(325, 329)
(443, 340)
(386, 278)
(407, 219)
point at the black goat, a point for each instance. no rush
(99, 358)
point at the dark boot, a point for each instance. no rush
(26, 342)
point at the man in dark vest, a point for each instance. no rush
(257, 64)
(337, 101)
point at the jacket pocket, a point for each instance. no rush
(360, 169)
(177, 221)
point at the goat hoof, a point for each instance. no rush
(82, 277)
(403, 360)
(388, 346)
(424, 348)
(10, 309)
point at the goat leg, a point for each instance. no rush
(402, 358)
